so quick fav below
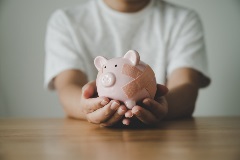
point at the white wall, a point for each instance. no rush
(22, 32)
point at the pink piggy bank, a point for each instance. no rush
(126, 79)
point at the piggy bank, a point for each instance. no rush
(126, 79)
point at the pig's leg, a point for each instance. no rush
(130, 103)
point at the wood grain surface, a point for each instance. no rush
(66, 139)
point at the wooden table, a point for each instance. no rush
(67, 139)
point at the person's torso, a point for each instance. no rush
(98, 32)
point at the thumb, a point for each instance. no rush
(89, 90)
(161, 90)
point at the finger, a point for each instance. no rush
(89, 90)
(93, 104)
(144, 115)
(158, 108)
(129, 114)
(116, 117)
(161, 90)
(126, 121)
(104, 113)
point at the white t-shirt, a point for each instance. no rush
(166, 36)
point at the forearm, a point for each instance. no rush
(181, 101)
(70, 97)
(183, 85)
(69, 88)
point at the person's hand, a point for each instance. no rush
(100, 110)
(151, 111)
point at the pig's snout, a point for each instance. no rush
(108, 79)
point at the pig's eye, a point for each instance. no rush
(105, 66)
(115, 65)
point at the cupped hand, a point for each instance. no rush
(151, 111)
(100, 110)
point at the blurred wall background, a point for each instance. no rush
(22, 32)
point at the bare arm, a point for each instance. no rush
(69, 88)
(79, 99)
(183, 85)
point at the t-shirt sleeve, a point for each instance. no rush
(187, 48)
(61, 53)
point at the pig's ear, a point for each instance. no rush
(99, 61)
(133, 56)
